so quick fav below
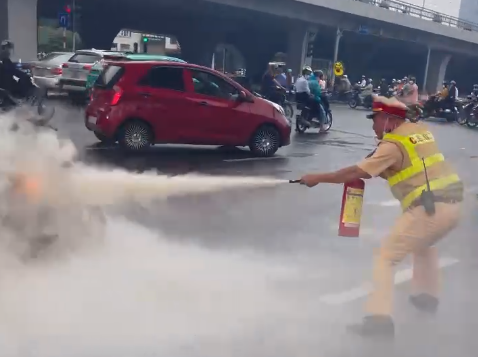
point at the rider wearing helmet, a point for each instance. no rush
(18, 86)
(383, 87)
(474, 93)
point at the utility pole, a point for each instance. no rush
(73, 23)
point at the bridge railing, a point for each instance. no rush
(423, 13)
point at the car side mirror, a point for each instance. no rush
(242, 96)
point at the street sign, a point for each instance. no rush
(363, 30)
(63, 20)
(338, 69)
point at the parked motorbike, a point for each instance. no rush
(305, 120)
(357, 101)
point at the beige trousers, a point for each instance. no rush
(414, 233)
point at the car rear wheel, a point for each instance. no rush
(135, 135)
(265, 141)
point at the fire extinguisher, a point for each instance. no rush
(351, 211)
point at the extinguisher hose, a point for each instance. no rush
(294, 181)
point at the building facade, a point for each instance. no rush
(127, 40)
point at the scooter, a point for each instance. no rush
(307, 120)
(472, 120)
(356, 100)
(429, 109)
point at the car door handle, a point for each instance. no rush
(144, 94)
(203, 103)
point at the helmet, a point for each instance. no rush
(307, 68)
(370, 80)
(363, 76)
(453, 82)
(7, 45)
(445, 83)
(475, 86)
(345, 76)
(384, 80)
(6, 48)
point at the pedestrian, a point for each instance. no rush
(400, 158)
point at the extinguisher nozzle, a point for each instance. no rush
(294, 181)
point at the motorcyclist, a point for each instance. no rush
(383, 87)
(474, 93)
(302, 90)
(323, 96)
(271, 88)
(362, 82)
(346, 85)
(367, 91)
(316, 94)
(19, 87)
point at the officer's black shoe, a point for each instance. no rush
(425, 303)
(374, 326)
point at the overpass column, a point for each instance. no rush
(298, 39)
(198, 46)
(435, 70)
(18, 23)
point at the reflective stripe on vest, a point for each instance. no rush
(416, 166)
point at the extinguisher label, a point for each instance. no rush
(353, 207)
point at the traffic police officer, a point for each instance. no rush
(429, 191)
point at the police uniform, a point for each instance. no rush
(399, 158)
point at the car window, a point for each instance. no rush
(214, 86)
(165, 77)
(60, 59)
(85, 58)
(109, 77)
(49, 56)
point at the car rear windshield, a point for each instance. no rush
(109, 77)
(60, 59)
(85, 58)
(50, 56)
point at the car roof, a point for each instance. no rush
(143, 57)
(100, 52)
(164, 63)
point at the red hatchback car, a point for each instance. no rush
(139, 104)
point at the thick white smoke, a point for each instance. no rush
(133, 293)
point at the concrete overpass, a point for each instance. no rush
(258, 28)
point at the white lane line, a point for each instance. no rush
(255, 159)
(401, 276)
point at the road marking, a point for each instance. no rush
(401, 276)
(255, 159)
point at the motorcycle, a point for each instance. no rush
(466, 115)
(429, 109)
(283, 102)
(305, 120)
(472, 120)
(49, 228)
(27, 94)
(357, 101)
(341, 97)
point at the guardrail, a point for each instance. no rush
(423, 13)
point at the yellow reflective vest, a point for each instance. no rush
(418, 147)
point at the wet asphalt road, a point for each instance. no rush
(296, 228)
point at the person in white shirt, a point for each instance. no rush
(302, 90)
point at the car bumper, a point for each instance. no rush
(47, 82)
(72, 85)
(100, 124)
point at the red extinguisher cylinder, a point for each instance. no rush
(351, 211)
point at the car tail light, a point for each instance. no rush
(117, 95)
(87, 67)
(56, 71)
(64, 65)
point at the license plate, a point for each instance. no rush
(75, 74)
(92, 120)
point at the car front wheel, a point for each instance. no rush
(265, 141)
(135, 135)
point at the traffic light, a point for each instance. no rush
(310, 49)
(67, 9)
(145, 44)
(135, 46)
